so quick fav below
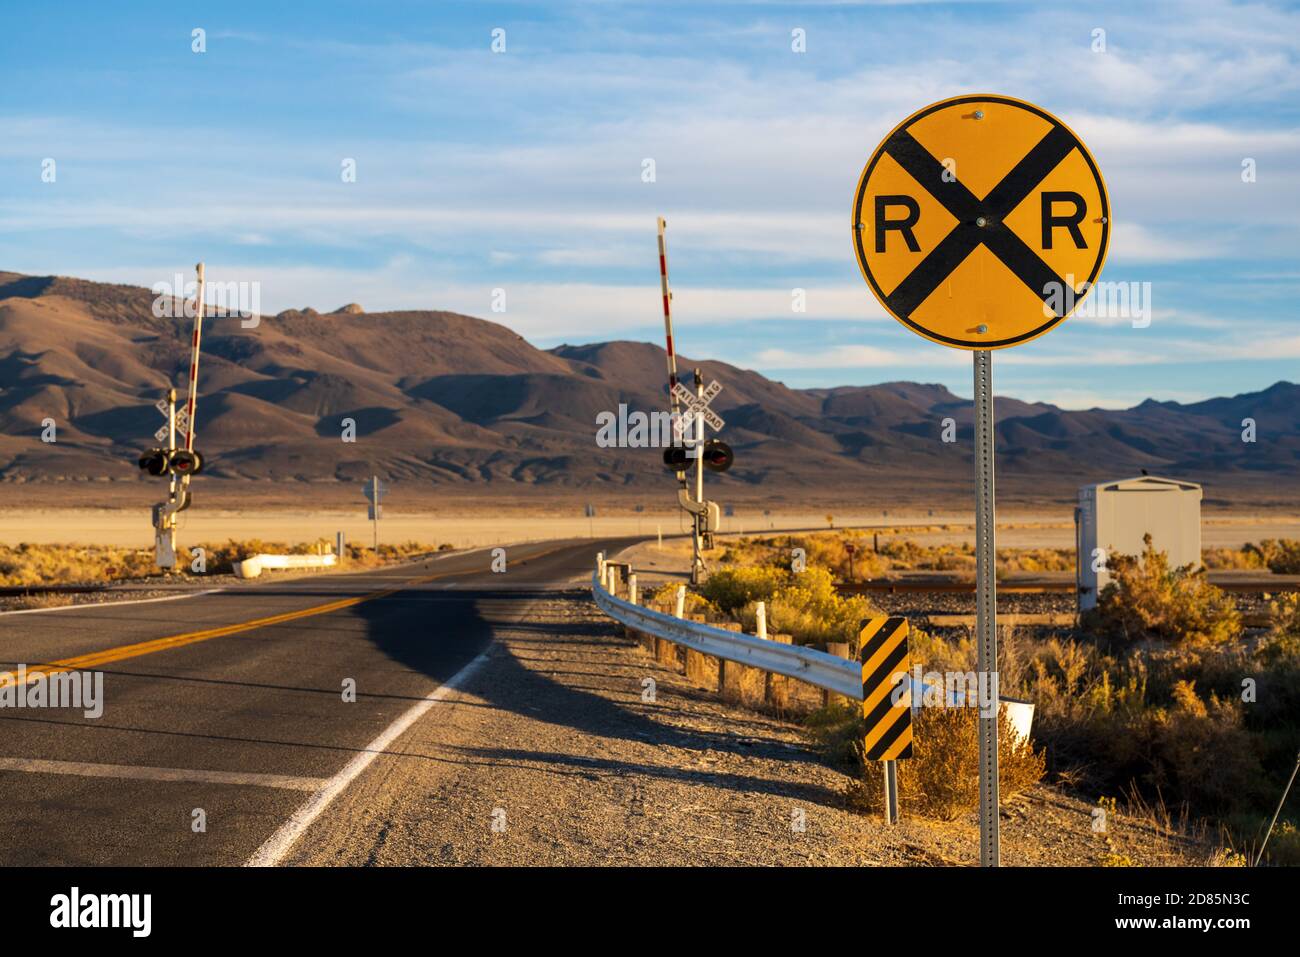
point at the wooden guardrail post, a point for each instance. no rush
(840, 649)
(741, 684)
(665, 650)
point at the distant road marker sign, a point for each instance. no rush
(980, 222)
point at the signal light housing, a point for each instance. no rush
(718, 456)
(164, 462)
(186, 462)
(676, 459)
(154, 462)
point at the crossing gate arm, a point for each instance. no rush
(803, 664)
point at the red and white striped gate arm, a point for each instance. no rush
(668, 316)
(194, 363)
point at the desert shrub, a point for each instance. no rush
(1138, 718)
(1035, 559)
(1147, 600)
(1201, 751)
(830, 550)
(810, 609)
(1283, 848)
(941, 778)
(665, 596)
(1248, 556)
(1280, 555)
(31, 564)
(60, 564)
(1284, 613)
(732, 588)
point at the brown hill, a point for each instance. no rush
(453, 400)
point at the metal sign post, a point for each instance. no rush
(374, 491)
(986, 609)
(164, 545)
(179, 465)
(697, 560)
(696, 411)
(891, 791)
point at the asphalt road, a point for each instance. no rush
(227, 709)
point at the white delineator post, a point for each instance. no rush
(631, 588)
(680, 610)
(760, 619)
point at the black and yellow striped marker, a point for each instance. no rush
(882, 644)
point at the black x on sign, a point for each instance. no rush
(980, 222)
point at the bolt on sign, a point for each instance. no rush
(980, 222)
(885, 659)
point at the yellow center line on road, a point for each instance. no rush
(122, 652)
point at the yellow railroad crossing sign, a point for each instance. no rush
(980, 222)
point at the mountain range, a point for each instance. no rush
(453, 401)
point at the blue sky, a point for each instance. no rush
(522, 170)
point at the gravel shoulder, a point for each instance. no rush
(551, 754)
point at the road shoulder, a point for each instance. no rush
(553, 754)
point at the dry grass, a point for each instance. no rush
(941, 779)
(803, 604)
(1278, 555)
(67, 564)
(38, 565)
(878, 554)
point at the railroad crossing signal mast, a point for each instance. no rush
(712, 454)
(178, 464)
(980, 223)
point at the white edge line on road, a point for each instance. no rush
(111, 604)
(131, 772)
(279, 843)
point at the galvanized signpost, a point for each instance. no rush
(980, 223)
(374, 491)
(696, 412)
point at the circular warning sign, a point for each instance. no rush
(981, 222)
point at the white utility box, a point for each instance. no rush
(1114, 516)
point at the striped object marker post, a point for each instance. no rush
(886, 700)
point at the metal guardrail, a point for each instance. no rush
(803, 664)
(252, 567)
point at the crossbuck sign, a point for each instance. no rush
(182, 421)
(693, 406)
